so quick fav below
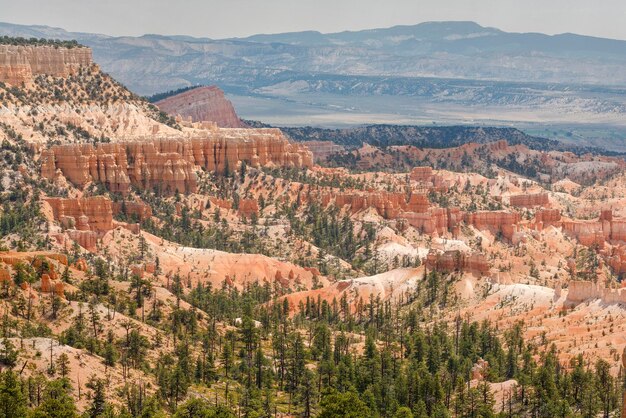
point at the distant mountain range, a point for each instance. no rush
(444, 72)
(152, 63)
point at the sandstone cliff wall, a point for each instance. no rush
(20, 64)
(605, 229)
(529, 200)
(419, 214)
(427, 179)
(87, 214)
(206, 103)
(450, 261)
(496, 222)
(87, 219)
(170, 164)
(546, 217)
(580, 291)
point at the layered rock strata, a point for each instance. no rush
(169, 164)
(427, 179)
(497, 222)
(87, 214)
(547, 217)
(605, 229)
(419, 214)
(206, 103)
(86, 220)
(529, 200)
(21, 63)
(450, 261)
(580, 291)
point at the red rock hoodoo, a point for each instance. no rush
(605, 229)
(170, 164)
(86, 220)
(545, 217)
(504, 223)
(87, 214)
(427, 179)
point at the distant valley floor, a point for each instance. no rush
(565, 119)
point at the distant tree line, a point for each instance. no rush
(164, 95)
(57, 43)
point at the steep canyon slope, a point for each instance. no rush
(149, 262)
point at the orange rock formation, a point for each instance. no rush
(20, 64)
(169, 164)
(529, 200)
(504, 223)
(419, 214)
(87, 219)
(605, 229)
(139, 210)
(449, 261)
(580, 291)
(43, 261)
(546, 217)
(247, 207)
(387, 204)
(615, 257)
(206, 103)
(12, 258)
(87, 214)
(427, 179)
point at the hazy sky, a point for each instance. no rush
(231, 18)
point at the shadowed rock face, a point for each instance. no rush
(206, 103)
(20, 64)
